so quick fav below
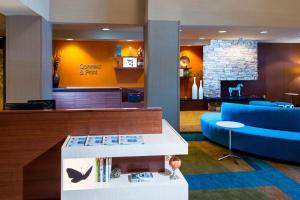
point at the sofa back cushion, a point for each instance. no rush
(263, 103)
(287, 119)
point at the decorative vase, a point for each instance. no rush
(55, 78)
(175, 163)
(200, 90)
(194, 89)
(118, 50)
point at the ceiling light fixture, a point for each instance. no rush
(180, 30)
(129, 40)
(105, 29)
(222, 31)
(263, 32)
(202, 38)
(69, 39)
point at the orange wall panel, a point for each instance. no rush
(75, 53)
(195, 54)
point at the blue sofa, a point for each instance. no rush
(272, 104)
(271, 132)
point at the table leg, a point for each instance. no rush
(230, 140)
(230, 153)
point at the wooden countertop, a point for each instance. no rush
(86, 89)
(83, 110)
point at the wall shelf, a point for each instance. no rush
(185, 77)
(185, 68)
(129, 68)
(119, 57)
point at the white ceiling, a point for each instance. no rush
(190, 35)
(14, 7)
(283, 35)
(94, 32)
(97, 27)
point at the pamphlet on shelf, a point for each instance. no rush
(131, 139)
(111, 140)
(103, 168)
(98, 140)
(141, 177)
(94, 140)
(77, 141)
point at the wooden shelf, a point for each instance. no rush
(119, 57)
(129, 68)
(185, 68)
(185, 77)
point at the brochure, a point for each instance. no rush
(141, 177)
(94, 140)
(111, 140)
(77, 141)
(97, 140)
(131, 139)
(104, 166)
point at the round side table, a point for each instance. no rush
(229, 125)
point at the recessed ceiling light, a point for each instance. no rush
(69, 39)
(105, 29)
(222, 31)
(263, 32)
(201, 38)
(129, 40)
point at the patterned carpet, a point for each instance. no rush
(250, 178)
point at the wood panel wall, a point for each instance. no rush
(31, 141)
(280, 64)
(2, 71)
(88, 98)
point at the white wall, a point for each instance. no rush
(41, 7)
(277, 13)
(98, 11)
(28, 59)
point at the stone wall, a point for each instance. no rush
(228, 60)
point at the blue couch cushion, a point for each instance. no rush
(284, 104)
(287, 119)
(263, 103)
(272, 104)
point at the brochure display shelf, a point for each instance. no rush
(169, 142)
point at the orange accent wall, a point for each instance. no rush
(74, 53)
(195, 54)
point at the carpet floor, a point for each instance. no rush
(250, 178)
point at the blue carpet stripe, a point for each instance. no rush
(225, 180)
(265, 175)
(193, 137)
